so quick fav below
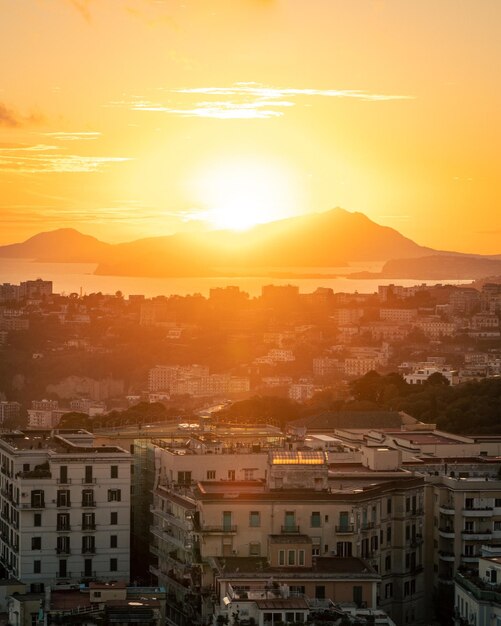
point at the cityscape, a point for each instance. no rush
(289, 458)
(250, 313)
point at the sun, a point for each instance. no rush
(241, 193)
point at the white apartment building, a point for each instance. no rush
(477, 599)
(421, 375)
(64, 508)
(296, 518)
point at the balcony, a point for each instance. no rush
(447, 533)
(365, 526)
(182, 522)
(416, 541)
(32, 505)
(63, 528)
(289, 529)
(64, 481)
(345, 529)
(447, 509)
(446, 556)
(469, 558)
(89, 550)
(87, 574)
(88, 504)
(479, 589)
(89, 527)
(166, 535)
(223, 529)
(66, 551)
(89, 481)
(474, 535)
(473, 511)
(62, 576)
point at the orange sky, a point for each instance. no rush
(132, 118)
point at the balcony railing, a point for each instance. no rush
(89, 481)
(88, 504)
(63, 528)
(89, 526)
(290, 529)
(63, 551)
(345, 528)
(367, 525)
(225, 528)
(89, 550)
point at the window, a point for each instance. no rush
(468, 503)
(114, 471)
(88, 544)
(113, 541)
(36, 543)
(297, 590)
(211, 474)
(63, 474)
(62, 568)
(388, 506)
(37, 519)
(254, 519)
(37, 499)
(254, 549)
(315, 546)
(88, 474)
(291, 557)
(407, 505)
(37, 567)
(87, 497)
(113, 565)
(387, 563)
(88, 521)
(227, 520)
(388, 590)
(497, 503)
(468, 550)
(184, 478)
(231, 474)
(87, 568)
(26, 467)
(290, 521)
(63, 545)
(34, 619)
(388, 534)
(281, 557)
(320, 592)
(300, 559)
(113, 518)
(343, 548)
(357, 595)
(407, 533)
(248, 474)
(315, 520)
(63, 521)
(114, 495)
(63, 497)
(468, 526)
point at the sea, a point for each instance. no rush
(80, 278)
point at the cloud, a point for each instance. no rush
(42, 158)
(77, 136)
(246, 100)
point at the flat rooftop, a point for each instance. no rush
(45, 440)
(257, 567)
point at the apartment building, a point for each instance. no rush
(297, 518)
(64, 508)
(477, 598)
(464, 518)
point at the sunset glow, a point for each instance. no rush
(245, 193)
(146, 118)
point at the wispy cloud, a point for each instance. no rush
(256, 90)
(77, 136)
(245, 100)
(42, 158)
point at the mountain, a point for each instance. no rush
(62, 245)
(452, 267)
(329, 239)
(321, 240)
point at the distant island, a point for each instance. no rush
(333, 239)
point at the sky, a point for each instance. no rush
(136, 118)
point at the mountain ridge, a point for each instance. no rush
(332, 238)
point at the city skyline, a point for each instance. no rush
(146, 118)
